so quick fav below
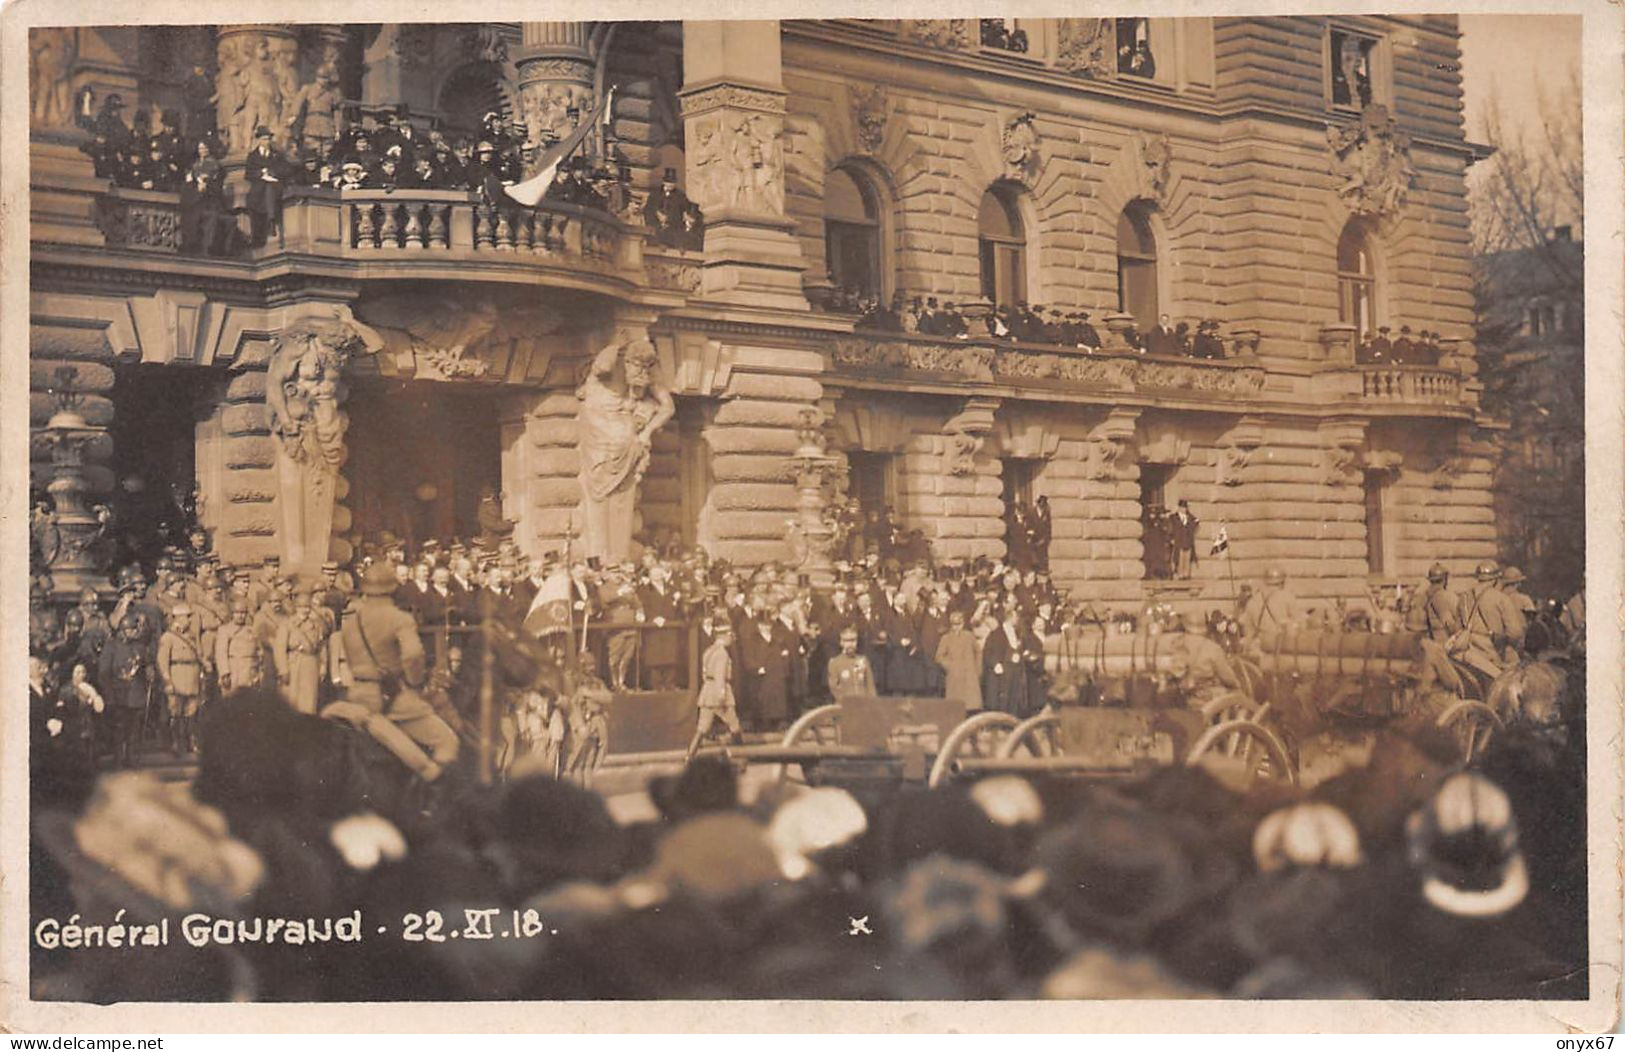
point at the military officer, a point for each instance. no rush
(301, 652)
(716, 700)
(182, 669)
(237, 652)
(850, 674)
(388, 669)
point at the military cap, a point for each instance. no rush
(1512, 575)
(1487, 571)
(180, 610)
(329, 565)
(262, 132)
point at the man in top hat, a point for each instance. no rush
(301, 652)
(265, 174)
(1381, 349)
(1404, 349)
(1161, 338)
(1182, 526)
(1087, 336)
(388, 669)
(1492, 626)
(182, 666)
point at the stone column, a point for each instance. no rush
(258, 76)
(733, 101)
(555, 78)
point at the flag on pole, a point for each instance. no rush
(549, 612)
(1221, 541)
(531, 190)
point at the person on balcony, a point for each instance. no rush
(110, 136)
(1087, 336)
(265, 172)
(1378, 350)
(1404, 348)
(1206, 344)
(1162, 339)
(484, 177)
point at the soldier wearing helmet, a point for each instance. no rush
(1271, 610)
(1491, 625)
(1433, 616)
(1510, 581)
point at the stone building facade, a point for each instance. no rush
(1298, 180)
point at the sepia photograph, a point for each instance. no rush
(1068, 509)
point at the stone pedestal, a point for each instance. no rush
(70, 441)
(1118, 326)
(63, 190)
(1337, 343)
(733, 116)
(812, 533)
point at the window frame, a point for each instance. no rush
(1378, 58)
(1352, 282)
(1137, 213)
(999, 254)
(875, 226)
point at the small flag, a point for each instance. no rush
(531, 190)
(1221, 541)
(549, 612)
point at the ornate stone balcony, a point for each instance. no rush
(1128, 377)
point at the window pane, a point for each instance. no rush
(852, 257)
(1134, 236)
(845, 200)
(998, 218)
(990, 285)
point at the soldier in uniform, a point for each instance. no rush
(387, 668)
(1510, 580)
(301, 652)
(269, 617)
(1271, 610)
(1433, 615)
(1203, 669)
(182, 668)
(125, 676)
(96, 630)
(850, 674)
(237, 657)
(958, 655)
(716, 698)
(1492, 626)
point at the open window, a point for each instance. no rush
(1003, 242)
(852, 220)
(1137, 265)
(1356, 281)
(1135, 54)
(1353, 69)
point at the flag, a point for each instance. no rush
(531, 190)
(549, 612)
(1221, 541)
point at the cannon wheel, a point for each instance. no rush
(965, 738)
(1474, 724)
(1248, 743)
(1232, 705)
(820, 726)
(1036, 734)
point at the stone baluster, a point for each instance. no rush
(366, 228)
(414, 226)
(389, 227)
(437, 233)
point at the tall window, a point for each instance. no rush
(1352, 59)
(1004, 248)
(1356, 282)
(1376, 540)
(1137, 266)
(852, 233)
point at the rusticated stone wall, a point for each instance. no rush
(249, 520)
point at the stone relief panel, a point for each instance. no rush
(1372, 157)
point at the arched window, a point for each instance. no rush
(1003, 242)
(852, 233)
(1356, 282)
(1137, 266)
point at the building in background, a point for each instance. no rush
(1531, 340)
(408, 359)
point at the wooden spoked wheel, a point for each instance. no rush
(981, 735)
(1473, 723)
(1038, 735)
(1245, 750)
(820, 726)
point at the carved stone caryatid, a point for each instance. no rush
(304, 388)
(948, 33)
(624, 401)
(1372, 157)
(256, 79)
(869, 115)
(555, 74)
(1018, 148)
(51, 54)
(1088, 47)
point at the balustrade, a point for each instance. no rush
(1402, 384)
(460, 222)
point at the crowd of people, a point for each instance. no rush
(381, 150)
(1021, 323)
(1422, 348)
(1395, 875)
